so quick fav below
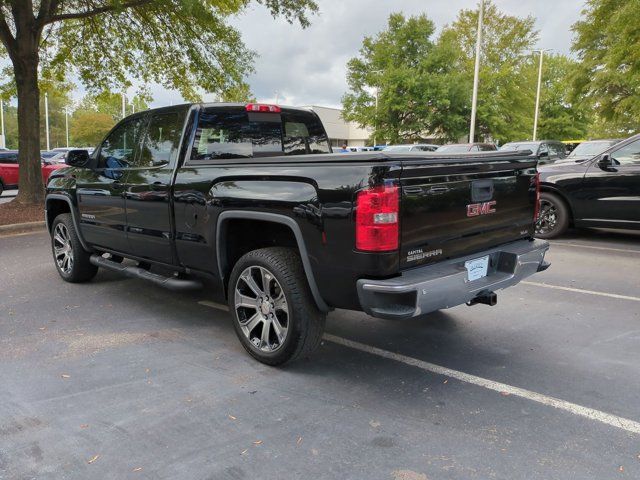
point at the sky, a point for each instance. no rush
(308, 66)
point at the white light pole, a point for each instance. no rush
(46, 117)
(375, 125)
(66, 123)
(535, 116)
(476, 72)
(124, 106)
(4, 141)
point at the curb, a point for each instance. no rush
(22, 227)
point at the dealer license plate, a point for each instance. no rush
(477, 268)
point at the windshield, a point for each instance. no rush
(591, 149)
(520, 146)
(453, 148)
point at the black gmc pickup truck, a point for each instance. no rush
(251, 198)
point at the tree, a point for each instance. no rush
(506, 95)
(88, 127)
(110, 103)
(238, 93)
(562, 116)
(607, 43)
(182, 44)
(403, 84)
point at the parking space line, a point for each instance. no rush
(580, 290)
(593, 247)
(590, 413)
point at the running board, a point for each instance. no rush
(172, 283)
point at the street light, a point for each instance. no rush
(66, 123)
(476, 72)
(46, 117)
(375, 125)
(535, 116)
(3, 144)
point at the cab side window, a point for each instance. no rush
(627, 155)
(120, 148)
(161, 140)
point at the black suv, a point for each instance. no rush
(601, 191)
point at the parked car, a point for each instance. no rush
(588, 149)
(9, 170)
(546, 151)
(53, 156)
(602, 191)
(466, 147)
(417, 147)
(249, 197)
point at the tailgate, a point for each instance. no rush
(457, 206)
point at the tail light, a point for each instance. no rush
(536, 209)
(377, 211)
(261, 107)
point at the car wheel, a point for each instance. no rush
(553, 219)
(274, 314)
(71, 260)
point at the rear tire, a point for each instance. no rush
(71, 260)
(554, 216)
(274, 314)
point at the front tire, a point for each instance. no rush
(71, 260)
(553, 219)
(274, 314)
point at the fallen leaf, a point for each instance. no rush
(147, 370)
(505, 394)
(84, 425)
(64, 375)
(137, 469)
(244, 451)
(621, 469)
(374, 424)
(93, 459)
(314, 451)
(257, 442)
(43, 328)
(299, 441)
(446, 381)
(232, 417)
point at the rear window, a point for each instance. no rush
(227, 133)
(8, 157)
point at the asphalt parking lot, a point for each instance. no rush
(120, 379)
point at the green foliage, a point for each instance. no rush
(418, 91)
(238, 93)
(562, 117)
(88, 128)
(110, 103)
(506, 94)
(186, 45)
(607, 43)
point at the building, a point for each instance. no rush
(340, 131)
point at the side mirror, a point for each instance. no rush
(77, 158)
(543, 155)
(604, 163)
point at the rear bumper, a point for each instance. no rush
(445, 284)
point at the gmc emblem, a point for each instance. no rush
(485, 208)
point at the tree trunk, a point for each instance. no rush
(31, 188)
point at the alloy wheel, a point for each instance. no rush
(62, 249)
(261, 308)
(548, 217)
